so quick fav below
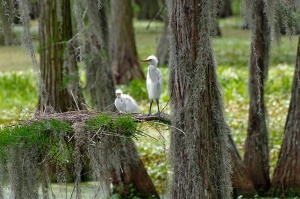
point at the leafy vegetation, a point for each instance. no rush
(154, 155)
(19, 93)
(41, 134)
(131, 195)
(123, 125)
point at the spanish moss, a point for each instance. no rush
(200, 159)
(27, 42)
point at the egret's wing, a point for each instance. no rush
(131, 105)
(160, 79)
(148, 80)
(128, 104)
(119, 105)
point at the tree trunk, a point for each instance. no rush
(100, 86)
(163, 46)
(99, 77)
(256, 155)
(286, 179)
(199, 155)
(241, 182)
(148, 9)
(6, 16)
(133, 175)
(123, 49)
(217, 32)
(225, 9)
(34, 10)
(54, 32)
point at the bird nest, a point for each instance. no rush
(43, 149)
(47, 129)
(80, 116)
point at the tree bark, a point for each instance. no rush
(163, 46)
(100, 86)
(225, 9)
(241, 182)
(6, 16)
(199, 155)
(123, 49)
(256, 155)
(34, 10)
(286, 178)
(99, 76)
(132, 174)
(54, 33)
(217, 32)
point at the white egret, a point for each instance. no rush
(125, 103)
(154, 81)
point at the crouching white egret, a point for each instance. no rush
(125, 103)
(154, 81)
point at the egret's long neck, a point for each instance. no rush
(152, 67)
(151, 71)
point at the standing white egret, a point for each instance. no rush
(125, 103)
(154, 81)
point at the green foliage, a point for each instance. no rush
(236, 7)
(234, 83)
(125, 125)
(18, 93)
(232, 50)
(154, 157)
(137, 89)
(100, 121)
(135, 8)
(131, 195)
(122, 125)
(147, 39)
(277, 94)
(235, 52)
(41, 134)
(291, 192)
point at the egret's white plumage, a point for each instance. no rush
(125, 103)
(154, 80)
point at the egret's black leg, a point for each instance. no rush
(157, 101)
(151, 101)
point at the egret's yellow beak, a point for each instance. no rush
(145, 60)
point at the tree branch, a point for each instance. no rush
(83, 115)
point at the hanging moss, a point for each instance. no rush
(47, 133)
(57, 148)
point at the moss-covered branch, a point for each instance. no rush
(48, 146)
(46, 130)
(84, 115)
